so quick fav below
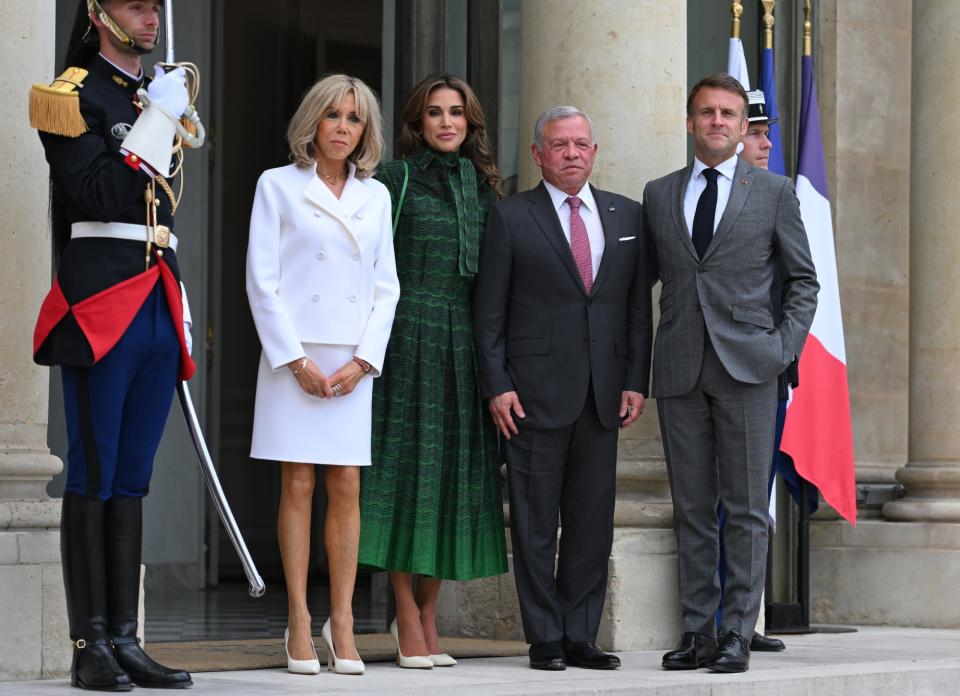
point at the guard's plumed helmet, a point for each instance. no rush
(91, 38)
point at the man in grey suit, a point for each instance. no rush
(720, 229)
(562, 318)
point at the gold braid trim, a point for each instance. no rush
(174, 199)
(56, 108)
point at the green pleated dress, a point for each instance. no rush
(431, 502)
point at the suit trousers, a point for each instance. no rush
(568, 473)
(778, 436)
(718, 443)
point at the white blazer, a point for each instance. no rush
(321, 269)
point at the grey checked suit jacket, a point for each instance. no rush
(728, 291)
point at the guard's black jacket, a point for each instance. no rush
(92, 183)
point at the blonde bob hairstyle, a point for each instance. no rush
(323, 97)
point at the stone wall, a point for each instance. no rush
(32, 609)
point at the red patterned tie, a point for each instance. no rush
(580, 244)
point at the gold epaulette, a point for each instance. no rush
(56, 108)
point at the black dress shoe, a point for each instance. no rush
(732, 655)
(547, 656)
(587, 655)
(694, 651)
(760, 643)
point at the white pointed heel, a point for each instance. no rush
(412, 662)
(334, 663)
(300, 666)
(442, 660)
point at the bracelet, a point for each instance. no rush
(303, 364)
(364, 365)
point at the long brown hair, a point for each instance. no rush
(475, 147)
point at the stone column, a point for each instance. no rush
(625, 65)
(891, 571)
(862, 46)
(32, 610)
(932, 475)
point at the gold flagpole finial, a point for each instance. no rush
(768, 22)
(736, 9)
(807, 30)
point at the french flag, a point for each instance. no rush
(737, 63)
(818, 435)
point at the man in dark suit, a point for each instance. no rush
(562, 319)
(721, 230)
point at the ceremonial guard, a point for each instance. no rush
(116, 319)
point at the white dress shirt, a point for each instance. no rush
(589, 215)
(698, 182)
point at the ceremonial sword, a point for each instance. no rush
(256, 588)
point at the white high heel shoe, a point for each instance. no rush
(412, 662)
(442, 660)
(300, 666)
(339, 666)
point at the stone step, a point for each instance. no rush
(870, 662)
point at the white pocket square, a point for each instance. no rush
(626, 239)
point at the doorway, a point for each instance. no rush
(268, 55)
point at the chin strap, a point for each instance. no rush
(94, 7)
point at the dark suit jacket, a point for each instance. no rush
(538, 332)
(729, 293)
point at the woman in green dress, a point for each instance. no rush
(431, 503)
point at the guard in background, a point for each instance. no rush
(115, 320)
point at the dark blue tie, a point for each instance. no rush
(706, 210)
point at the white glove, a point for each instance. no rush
(168, 90)
(187, 320)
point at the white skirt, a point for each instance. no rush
(290, 425)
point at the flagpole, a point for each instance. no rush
(768, 22)
(736, 9)
(803, 541)
(736, 60)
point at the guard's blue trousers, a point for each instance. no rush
(116, 409)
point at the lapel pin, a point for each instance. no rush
(744, 181)
(612, 209)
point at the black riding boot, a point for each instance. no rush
(124, 539)
(84, 579)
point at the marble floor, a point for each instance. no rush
(228, 612)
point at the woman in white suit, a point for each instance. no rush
(322, 285)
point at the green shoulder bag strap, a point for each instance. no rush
(403, 193)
